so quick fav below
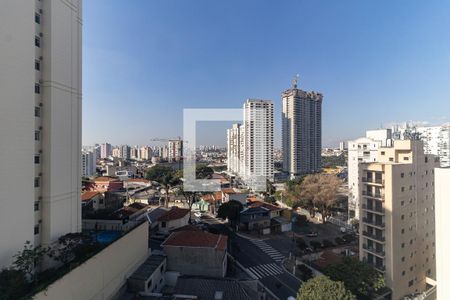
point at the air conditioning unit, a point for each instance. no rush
(40, 34)
(40, 11)
(40, 127)
(40, 104)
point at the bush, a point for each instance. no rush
(328, 243)
(305, 272)
(315, 244)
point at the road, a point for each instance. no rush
(264, 263)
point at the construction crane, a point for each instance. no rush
(164, 140)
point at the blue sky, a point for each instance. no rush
(376, 62)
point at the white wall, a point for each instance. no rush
(103, 275)
(442, 208)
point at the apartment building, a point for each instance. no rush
(234, 148)
(257, 160)
(442, 194)
(363, 150)
(105, 150)
(301, 131)
(40, 122)
(175, 150)
(88, 164)
(397, 216)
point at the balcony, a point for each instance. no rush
(374, 250)
(371, 208)
(369, 194)
(377, 238)
(374, 223)
(377, 181)
(378, 267)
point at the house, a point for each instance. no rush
(255, 218)
(280, 220)
(153, 216)
(229, 194)
(92, 200)
(149, 277)
(196, 253)
(174, 218)
(201, 205)
(216, 288)
(122, 219)
(107, 184)
(214, 200)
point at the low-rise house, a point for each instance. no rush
(92, 200)
(255, 218)
(153, 216)
(260, 215)
(137, 183)
(174, 218)
(149, 277)
(107, 184)
(122, 219)
(229, 194)
(216, 288)
(196, 253)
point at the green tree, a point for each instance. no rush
(165, 176)
(64, 250)
(360, 278)
(323, 288)
(230, 210)
(29, 259)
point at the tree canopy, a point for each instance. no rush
(230, 210)
(360, 278)
(323, 288)
(166, 176)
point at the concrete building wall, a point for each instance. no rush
(104, 274)
(397, 222)
(40, 122)
(442, 203)
(196, 261)
(301, 131)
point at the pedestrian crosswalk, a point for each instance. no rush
(269, 250)
(266, 270)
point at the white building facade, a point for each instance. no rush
(40, 122)
(257, 161)
(234, 148)
(363, 150)
(88, 164)
(105, 150)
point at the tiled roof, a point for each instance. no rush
(218, 196)
(86, 196)
(269, 206)
(104, 178)
(196, 239)
(206, 288)
(174, 213)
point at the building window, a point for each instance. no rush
(36, 206)
(406, 158)
(36, 229)
(37, 135)
(402, 175)
(37, 111)
(163, 224)
(37, 88)
(37, 18)
(37, 159)
(37, 65)
(37, 41)
(411, 283)
(37, 181)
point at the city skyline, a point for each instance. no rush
(181, 55)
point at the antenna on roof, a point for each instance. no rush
(295, 81)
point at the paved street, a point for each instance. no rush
(264, 263)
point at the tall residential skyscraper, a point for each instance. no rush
(442, 194)
(105, 150)
(363, 150)
(40, 122)
(397, 216)
(234, 148)
(257, 164)
(301, 131)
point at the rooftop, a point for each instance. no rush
(266, 205)
(206, 288)
(105, 178)
(148, 267)
(86, 196)
(174, 213)
(196, 239)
